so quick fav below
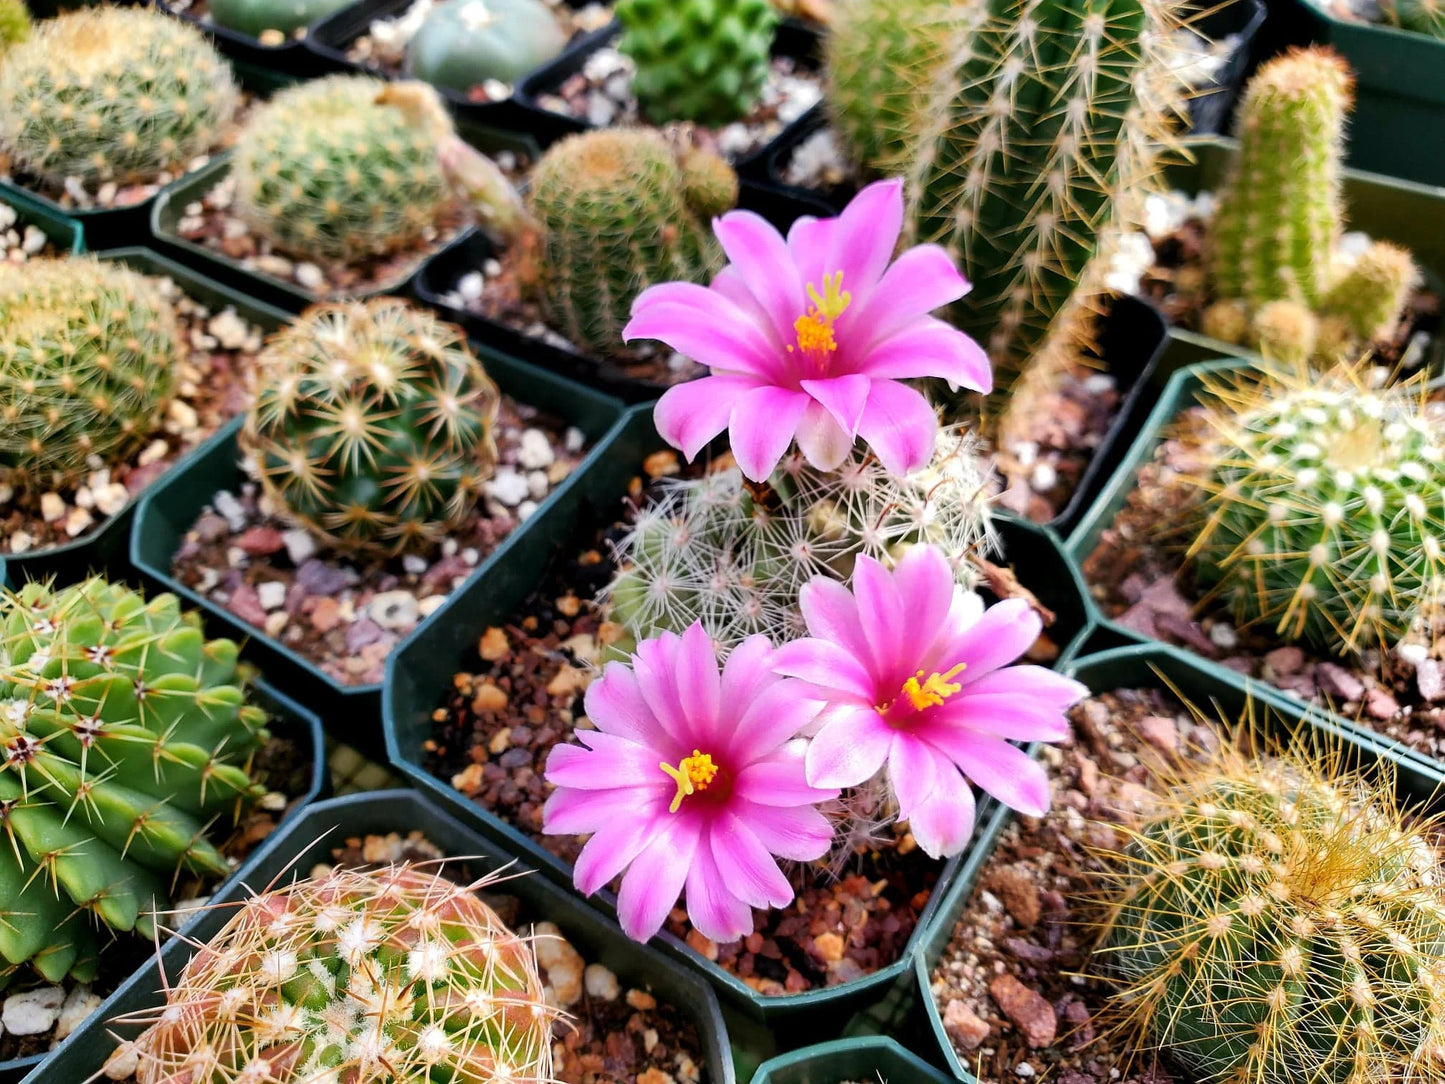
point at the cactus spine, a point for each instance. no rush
(1421, 16)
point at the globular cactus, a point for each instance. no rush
(14, 23)
(697, 60)
(255, 17)
(126, 735)
(87, 358)
(615, 218)
(393, 976)
(1324, 512)
(1371, 293)
(334, 169)
(374, 428)
(735, 557)
(1421, 16)
(113, 93)
(1271, 922)
(463, 43)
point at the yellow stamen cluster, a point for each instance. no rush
(931, 693)
(692, 774)
(815, 328)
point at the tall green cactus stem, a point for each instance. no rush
(1281, 211)
(464, 43)
(374, 429)
(1371, 294)
(126, 735)
(1325, 507)
(255, 17)
(335, 170)
(615, 219)
(1270, 922)
(87, 358)
(698, 60)
(390, 977)
(113, 93)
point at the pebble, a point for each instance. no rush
(1336, 681)
(470, 286)
(964, 1026)
(230, 330)
(535, 450)
(32, 1012)
(574, 439)
(299, 545)
(1285, 660)
(1223, 635)
(276, 623)
(110, 499)
(1430, 679)
(34, 240)
(395, 610)
(77, 521)
(79, 1004)
(21, 541)
(52, 508)
(562, 963)
(537, 484)
(310, 276)
(525, 510)
(1160, 732)
(271, 594)
(1044, 477)
(1029, 1011)
(229, 509)
(430, 605)
(601, 982)
(508, 486)
(414, 564)
(123, 1062)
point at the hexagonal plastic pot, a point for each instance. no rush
(290, 59)
(309, 839)
(63, 230)
(862, 1060)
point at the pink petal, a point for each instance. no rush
(825, 665)
(823, 442)
(930, 348)
(810, 241)
(924, 581)
(762, 258)
(1004, 770)
(850, 748)
(922, 279)
(885, 622)
(1035, 683)
(1005, 631)
(943, 822)
(569, 812)
(842, 397)
(713, 908)
(899, 426)
(705, 326)
(913, 772)
(730, 283)
(831, 613)
(607, 763)
(798, 833)
(699, 685)
(655, 664)
(780, 780)
(1004, 715)
(689, 415)
(748, 670)
(656, 877)
(615, 704)
(610, 851)
(865, 237)
(772, 718)
(747, 867)
(762, 426)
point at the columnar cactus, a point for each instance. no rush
(698, 60)
(113, 93)
(1270, 924)
(374, 429)
(255, 17)
(1325, 512)
(126, 734)
(87, 356)
(335, 170)
(615, 214)
(463, 43)
(391, 976)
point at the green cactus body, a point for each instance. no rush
(1281, 211)
(1421, 16)
(698, 60)
(126, 734)
(464, 43)
(254, 17)
(1370, 295)
(1270, 929)
(389, 977)
(335, 170)
(15, 23)
(1325, 510)
(113, 93)
(615, 219)
(375, 430)
(87, 356)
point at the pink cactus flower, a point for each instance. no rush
(811, 337)
(911, 668)
(693, 779)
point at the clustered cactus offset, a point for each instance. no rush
(374, 428)
(394, 976)
(113, 94)
(126, 735)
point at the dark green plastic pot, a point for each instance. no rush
(64, 231)
(105, 547)
(310, 839)
(1220, 693)
(291, 59)
(171, 507)
(421, 670)
(861, 1061)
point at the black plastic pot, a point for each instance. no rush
(64, 232)
(171, 507)
(862, 1060)
(1210, 110)
(291, 58)
(104, 548)
(310, 839)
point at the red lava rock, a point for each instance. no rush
(326, 614)
(1160, 733)
(1379, 704)
(1285, 660)
(1030, 1013)
(1336, 681)
(1019, 894)
(964, 1026)
(245, 605)
(260, 541)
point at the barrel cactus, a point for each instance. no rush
(113, 93)
(1271, 923)
(87, 357)
(390, 976)
(614, 210)
(374, 431)
(463, 43)
(126, 735)
(255, 17)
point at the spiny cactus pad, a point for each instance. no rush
(113, 93)
(126, 736)
(389, 977)
(375, 429)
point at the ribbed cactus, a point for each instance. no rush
(614, 211)
(463, 43)
(87, 357)
(1325, 508)
(395, 976)
(374, 428)
(334, 170)
(1370, 295)
(126, 735)
(722, 552)
(1273, 923)
(113, 93)
(697, 60)
(1421, 16)
(255, 17)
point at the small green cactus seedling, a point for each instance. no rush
(87, 356)
(1274, 922)
(113, 93)
(464, 43)
(255, 17)
(615, 214)
(126, 735)
(698, 60)
(374, 431)
(1370, 295)
(1421, 16)
(14, 23)
(388, 977)
(1325, 507)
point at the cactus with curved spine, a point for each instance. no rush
(374, 431)
(113, 93)
(613, 207)
(463, 43)
(388, 976)
(87, 356)
(126, 734)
